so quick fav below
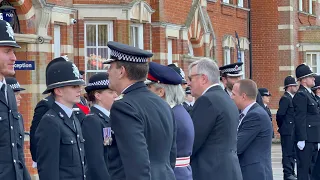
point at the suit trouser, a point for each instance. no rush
(287, 147)
(306, 159)
(316, 169)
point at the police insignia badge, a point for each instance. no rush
(10, 31)
(75, 71)
(107, 138)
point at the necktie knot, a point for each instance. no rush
(3, 87)
(241, 116)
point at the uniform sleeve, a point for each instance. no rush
(282, 111)
(173, 152)
(250, 128)
(94, 148)
(48, 146)
(128, 129)
(300, 103)
(41, 108)
(202, 122)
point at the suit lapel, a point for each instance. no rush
(63, 116)
(252, 107)
(100, 114)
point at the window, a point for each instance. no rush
(169, 51)
(227, 56)
(56, 41)
(240, 3)
(244, 64)
(300, 5)
(312, 60)
(136, 34)
(96, 38)
(226, 1)
(310, 6)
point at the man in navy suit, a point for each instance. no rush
(254, 133)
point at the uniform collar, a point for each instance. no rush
(290, 94)
(67, 110)
(308, 89)
(104, 110)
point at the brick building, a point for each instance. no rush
(176, 31)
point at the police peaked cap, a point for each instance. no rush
(7, 35)
(264, 92)
(124, 52)
(97, 81)
(163, 74)
(14, 84)
(303, 71)
(233, 69)
(179, 71)
(317, 83)
(290, 81)
(53, 61)
(61, 74)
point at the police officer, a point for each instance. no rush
(230, 74)
(307, 122)
(285, 121)
(12, 162)
(144, 143)
(266, 95)
(180, 71)
(189, 100)
(41, 108)
(96, 127)
(166, 83)
(60, 146)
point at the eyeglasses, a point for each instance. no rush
(193, 75)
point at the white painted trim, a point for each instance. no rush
(199, 44)
(64, 10)
(57, 44)
(285, 8)
(285, 47)
(169, 54)
(281, 88)
(273, 111)
(161, 56)
(33, 88)
(285, 26)
(286, 68)
(28, 15)
(80, 53)
(309, 47)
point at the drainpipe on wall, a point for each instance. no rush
(250, 39)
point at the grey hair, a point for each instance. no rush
(207, 67)
(174, 94)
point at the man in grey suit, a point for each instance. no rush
(215, 119)
(254, 133)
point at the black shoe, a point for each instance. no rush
(291, 177)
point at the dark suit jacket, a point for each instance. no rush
(42, 107)
(285, 115)
(215, 146)
(96, 151)
(144, 143)
(60, 146)
(254, 144)
(12, 161)
(307, 117)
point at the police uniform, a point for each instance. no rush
(144, 144)
(60, 144)
(185, 130)
(97, 133)
(180, 72)
(285, 121)
(187, 105)
(41, 108)
(307, 125)
(265, 92)
(12, 161)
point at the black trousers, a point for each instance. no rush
(306, 160)
(288, 155)
(316, 169)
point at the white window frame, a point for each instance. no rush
(190, 49)
(226, 1)
(140, 32)
(243, 65)
(240, 3)
(110, 38)
(169, 54)
(317, 54)
(300, 5)
(57, 41)
(227, 56)
(310, 6)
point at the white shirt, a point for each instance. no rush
(245, 111)
(290, 94)
(102, 109)
(217, 84)
(309, 90)
(189, 103)
(5, 91)
(66, 109)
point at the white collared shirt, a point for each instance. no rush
(309, 90)
(245, 111)
(189, 103)
(126, 88)
(66, 109)
(290, 94)
(102, 109)
(5, 91)
(216, 84)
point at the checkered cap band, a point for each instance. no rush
(99, 83)
(231, 70)
(126, 57)
(14, 86)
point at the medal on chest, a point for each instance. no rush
(107, 138)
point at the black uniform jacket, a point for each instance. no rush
(285, 115)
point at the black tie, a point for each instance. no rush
(241, 116)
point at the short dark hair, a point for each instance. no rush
(135, 71)
(248, 87)
(91, 95)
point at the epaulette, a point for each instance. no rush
(45, 99)
(90, 114)
(50, 115)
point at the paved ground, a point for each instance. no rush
(276, 162)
